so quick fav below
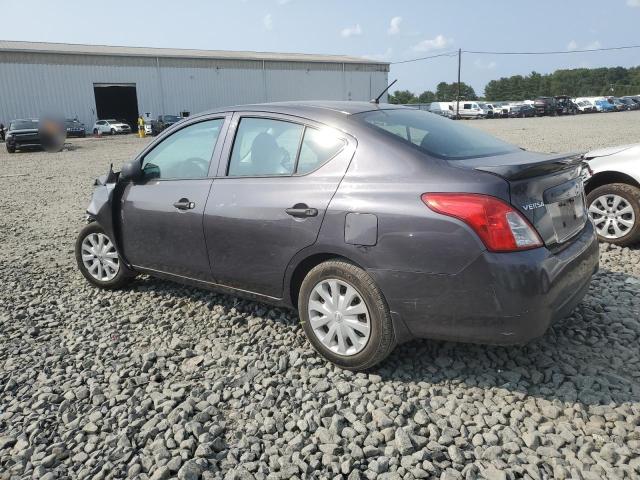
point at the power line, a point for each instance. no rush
(552, 52)
(447, 54)
(556, 52)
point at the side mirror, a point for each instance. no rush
(131, 171)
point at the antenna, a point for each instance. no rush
(377, 99)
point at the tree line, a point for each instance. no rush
(578, 82)
(445, 92)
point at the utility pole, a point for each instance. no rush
(458, 95)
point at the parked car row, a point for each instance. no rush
(541, 106)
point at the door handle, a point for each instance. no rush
(184, 204)
(300, 210)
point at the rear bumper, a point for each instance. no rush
(500, 298)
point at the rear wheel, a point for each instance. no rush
(615, 211)
(345, 316)
(98, 259)
(95, 131)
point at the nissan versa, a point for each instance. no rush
(377, 223)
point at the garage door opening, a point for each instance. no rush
(118, 101)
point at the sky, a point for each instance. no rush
(392, 30)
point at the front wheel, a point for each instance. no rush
(615, 212)
(98, 259)
(345, 316)
(11, 149)
(113, 132)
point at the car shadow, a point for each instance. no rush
(591, 357)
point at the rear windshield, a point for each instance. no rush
(435, 135)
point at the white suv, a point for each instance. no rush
(613, 193)
(110, 127)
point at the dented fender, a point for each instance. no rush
(104, 208)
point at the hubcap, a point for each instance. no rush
(339, 317)
(100, 257)
(612, 216)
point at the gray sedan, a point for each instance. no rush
(378, 223)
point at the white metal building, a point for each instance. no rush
(91, 81)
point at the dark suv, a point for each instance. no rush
(163, 122)
(23, 134)
(545, 106)
(565, 106)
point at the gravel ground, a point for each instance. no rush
(577, 133)
(161, 380)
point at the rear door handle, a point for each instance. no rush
(300, 210)
(184, 204)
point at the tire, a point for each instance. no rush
(607, 233)
(11, 149)
(95, 131)
(123, 276)
(381, 338)
(113, 132)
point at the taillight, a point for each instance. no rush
(500, 227)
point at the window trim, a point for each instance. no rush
(304, 122)
(215, 155)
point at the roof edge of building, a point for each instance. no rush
(153, 52)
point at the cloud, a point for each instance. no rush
(573, 45)
(394, 25)
(633, 3)
(351, 31)
(380, 56)
(267, 21)
(486, 66)
(436, 43)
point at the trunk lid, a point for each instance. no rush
(546, 189)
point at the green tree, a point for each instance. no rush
(427, 97)
(577, 82)
(402, 97)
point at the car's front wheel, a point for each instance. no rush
(11, 148)
(98, 259)
(345, 315)
(113, 131)
(615, 212)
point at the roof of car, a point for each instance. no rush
(338, 108)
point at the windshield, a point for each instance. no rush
(71, 123)
(171, 118)
(436, 135)
(23, 124)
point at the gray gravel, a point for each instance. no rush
(575, 133)
(162, 381)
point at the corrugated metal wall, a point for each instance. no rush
(32, 84)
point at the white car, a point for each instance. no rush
(110, 127)
(613, 193)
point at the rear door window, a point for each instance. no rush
(265, 146)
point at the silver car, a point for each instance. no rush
(110, 127)
(613, 193)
